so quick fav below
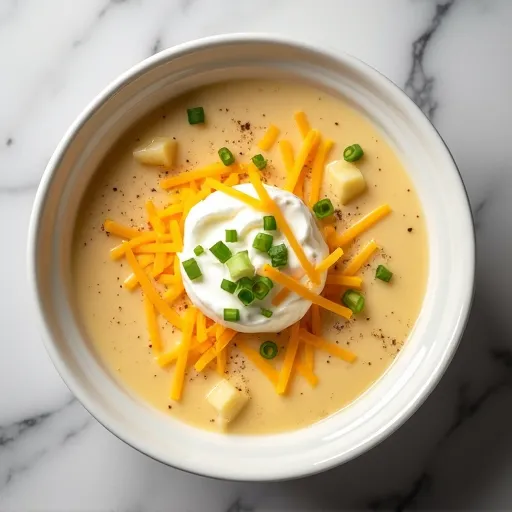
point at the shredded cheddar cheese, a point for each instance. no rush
(156, 222)
(216, 169)
(201, 333)
(360, 259)
(131, 282)
(211, 353)
(302, 123)
(289, 358)
(174, 228)
(306, 371)
(330, 260)
(266, 368)
(280, 296)
(170, 211)
(156, 248)
(305, 292)
(114, 228)
(326, 346)
(241, 196)
(317, 173)
(153, 329)
(309, 143)
(174, 293)
(364, 224)
(161, 306)
(119, 250)
(269, 138)
(343, 280)
(181, 362)
(232, 179)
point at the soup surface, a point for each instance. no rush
(237, 115)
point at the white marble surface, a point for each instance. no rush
(453, 59)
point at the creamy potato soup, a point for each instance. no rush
(250, 258)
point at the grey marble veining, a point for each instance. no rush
(453, 59)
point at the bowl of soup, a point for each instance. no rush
(253, 259)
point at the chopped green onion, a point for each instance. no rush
(266, 280)
(221, 251)
(195, 115)
(198, 250)
(278, 255)
(323, 208)
(226, 156)
(231, 236)
(268, 350)
(240, 266)
(269, 223)
(245, 282)
(246, 296)
(231, 315)
(263, 242)
(260, 290)
(192, 269)
(259, 162)
(266, 312)
(353, 300)
(383, 274)
(353, 153)
(228, 286)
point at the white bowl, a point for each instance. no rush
(430, 347)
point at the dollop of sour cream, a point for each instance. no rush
(206, 224)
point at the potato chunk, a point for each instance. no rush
(346, 179)
(160, 151)
(227, 400)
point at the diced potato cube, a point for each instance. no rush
(346, 179)
(161, 151)
(227, 400)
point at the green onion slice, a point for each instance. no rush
(260, 289)
(231, 315)
(228, 286)
(262, 242)
(226, 156)
(195, 115)
(269, 223)
(192, 269)
(266, 312)
(259, 161)
(231, 236)
(353, 153)
(278, 255)
(268, 350)
(221, 251)
(240, 266)
(353, 300)
(323, 208)
(266, 280)
(246, 296)
(383, 273)
(245, 282)
(198, 250)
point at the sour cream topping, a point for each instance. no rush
(207, 223)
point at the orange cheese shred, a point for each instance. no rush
(156, 248)
(283, 224)
(212, 352)
(281, 296)
(221, 362)
(327, 346)
(289, 358)
(119, 250)
(168, 279)
(177, 238)
(317, 172)
(245, 198)
(269, 138)
(216, 169)
(360, 259)
(330, 260)
(160, 261)
(364, 224)
(343, 280)
(302, 123)
(286, 149)
(174, 209)
(147, 287)
(181, 362)
(266, 368)
(316, 320)
(156, 222)
(201, 333)
(152, 323)
(305, 292)
(131, 282)
(306, 372)
(114, 228)
(232, 179)
(174, 293)
(309, 143)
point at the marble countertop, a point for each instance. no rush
(453, 58)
